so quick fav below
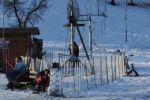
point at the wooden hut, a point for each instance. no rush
(20, 42)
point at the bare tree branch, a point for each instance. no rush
(36, 6)
(16, 12)
(27, 12)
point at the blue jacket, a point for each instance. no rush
(20, 66)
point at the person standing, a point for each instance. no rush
(76, 49)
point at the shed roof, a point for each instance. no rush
(28, 30)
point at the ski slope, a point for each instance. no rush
(108, 35)
(112, 37)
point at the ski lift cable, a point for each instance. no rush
(93, 24)
(97, 46)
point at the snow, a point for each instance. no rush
(57, 37)
(52, 30)
(106, 36)
(126, 88)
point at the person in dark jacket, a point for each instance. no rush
(76, 49)
(19, 68)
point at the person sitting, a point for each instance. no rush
(42, 81)
(18, 69)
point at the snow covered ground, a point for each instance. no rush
(126, 88)
(112, 38)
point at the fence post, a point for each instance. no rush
(50, 62)
(106, 70)
(86, 74)
(74, 68)
(52, 58)
(123, 66)
(101, 79)
(112, 70)
(94, 73)
(61, 81)
(115, 68)
(81, 65)
(78, 74)
(59, 55)
(119, 65)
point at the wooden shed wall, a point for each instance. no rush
(19, 41)
(18, 46)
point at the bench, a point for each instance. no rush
(23, 80)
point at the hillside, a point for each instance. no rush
(109, 38)
(112, 33)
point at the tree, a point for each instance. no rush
(25, 12)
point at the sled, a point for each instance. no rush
(23, 80)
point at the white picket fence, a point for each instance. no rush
(75, 77)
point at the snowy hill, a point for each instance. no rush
(111, 37)
(112, 34)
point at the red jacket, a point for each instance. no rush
(42, 79)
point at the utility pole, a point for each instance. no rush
(132, 3)
(71, 22)
(98, 8)
(113, 2)
(90, 35)
(126, 28)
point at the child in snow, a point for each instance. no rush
(42, 81)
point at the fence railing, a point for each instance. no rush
(76, 76)
(79, 76)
